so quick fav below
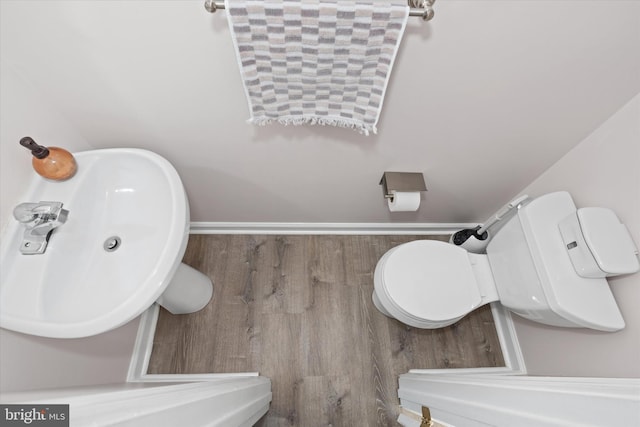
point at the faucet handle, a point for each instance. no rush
(41, 212)
(25, 212)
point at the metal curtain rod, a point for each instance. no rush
(421, 8)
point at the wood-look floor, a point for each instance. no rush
(298, 310)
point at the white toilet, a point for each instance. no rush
(548, 263)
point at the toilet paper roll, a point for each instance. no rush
(404, 202)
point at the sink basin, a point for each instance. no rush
(78, 288)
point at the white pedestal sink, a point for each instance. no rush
(77, 287)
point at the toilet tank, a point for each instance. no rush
(534, 275)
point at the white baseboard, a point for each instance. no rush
(346, 228)
(509, 344)
(513, 359)
(514, 362)
(139, 364)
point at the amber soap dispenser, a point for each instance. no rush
(50, 162)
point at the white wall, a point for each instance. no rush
(24, 111)
(482, 100)
(35, 363)
(603, 170)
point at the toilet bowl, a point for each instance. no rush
(431, 284)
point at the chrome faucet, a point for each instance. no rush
(39, 220)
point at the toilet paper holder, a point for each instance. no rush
(402, 182)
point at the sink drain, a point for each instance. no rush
(112, 243)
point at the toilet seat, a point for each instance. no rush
(427, 282)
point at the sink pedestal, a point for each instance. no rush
(189, 291)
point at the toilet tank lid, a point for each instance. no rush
(608, 241)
